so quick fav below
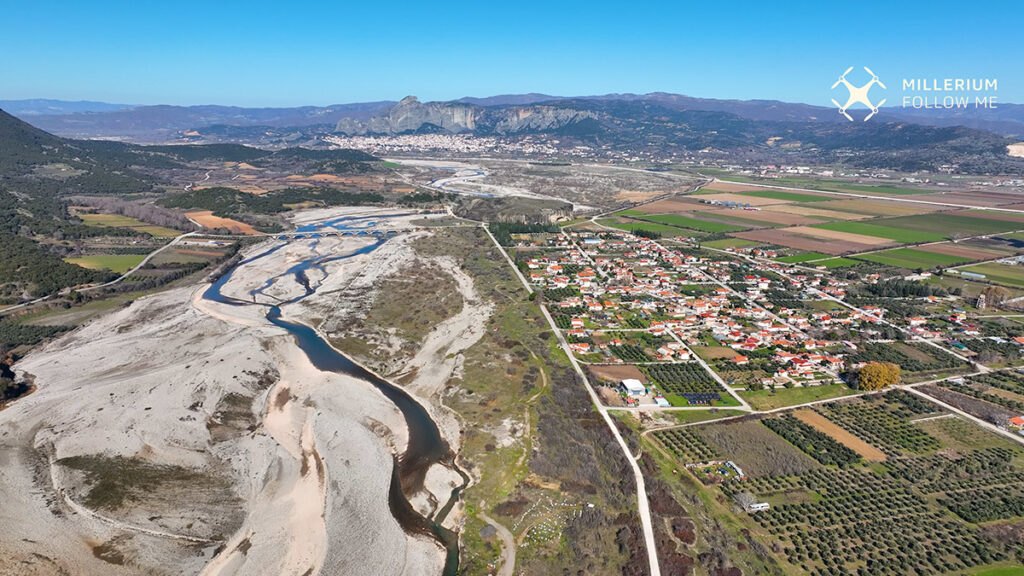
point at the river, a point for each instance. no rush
(426, 446)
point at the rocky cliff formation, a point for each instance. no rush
(412, 116)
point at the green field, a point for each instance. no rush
(911, 258)
(730, 243)
(951, 224)
(119, 263)
(798, 258)
(648, 226)
(118, 221)
(836, 262)
(1005, 570)
(691, 416)
(999, 273)
(770, 399)
(880, 230)
(1013, 236)
(880, 190)
(788, 196)
(691, 223)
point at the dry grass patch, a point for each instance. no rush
(673, 205)
(617, 373)
(206, 219)
(756, 449)
(638, 195)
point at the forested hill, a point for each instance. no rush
(29, 155)
(42, 174)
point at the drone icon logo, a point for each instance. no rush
(858, 94)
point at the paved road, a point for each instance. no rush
(643, 506)
(98, 286)
(1016, 438)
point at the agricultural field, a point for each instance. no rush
(713, 352)
(970, 249)
(786, 196)
(912, 258)
(801, 238)
(859, 520)
(756, 449)
(799, 258)
(119, 263)
(914, 360)
(772, 398)
(872, 492)
(206, 219)
(836, 262)
(730, 243)
(691, 223)
(687, 384)
(1005, 389)
(817, 421)
(816, 210)
(874, 190)
(1006, 274)
(118, 221)
(686, 445)
(634, 225)
(863, 207)
(768, 216)
(952, 224)
(813, 438)
(877, 229)
(885, 422)
(693, 416)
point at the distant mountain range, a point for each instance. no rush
(42, 106)
(659, 124)
(164, 123)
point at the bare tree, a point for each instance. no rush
(146, 212)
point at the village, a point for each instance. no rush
(669, 324)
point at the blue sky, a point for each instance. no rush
(282, 53)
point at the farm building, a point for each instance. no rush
(632, 387)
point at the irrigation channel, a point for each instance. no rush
(426, 445)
